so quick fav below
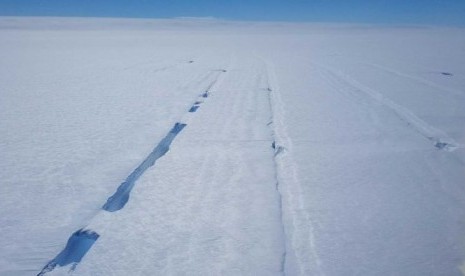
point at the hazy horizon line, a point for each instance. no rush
(235, 20)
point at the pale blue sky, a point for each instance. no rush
(448, 12)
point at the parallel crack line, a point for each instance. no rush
(439, 138)
(301, 256)
(119, 199)
(81, 241)
(278, 149)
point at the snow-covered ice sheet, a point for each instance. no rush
(307, 149)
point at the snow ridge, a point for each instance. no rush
(438, 137)
(300, 255)
(386, 69)
(277, 150)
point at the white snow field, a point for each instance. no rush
(241, 148)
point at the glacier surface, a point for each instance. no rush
(306, 149)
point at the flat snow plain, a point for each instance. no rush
(307, 149)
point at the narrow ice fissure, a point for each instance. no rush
(83, 239)
(77, 246)
(193, 108)
(119, 199)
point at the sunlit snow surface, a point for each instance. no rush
(306, 149)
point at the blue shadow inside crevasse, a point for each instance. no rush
(78, 244)
(205, 95)
(194, 108)
(121, 196)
